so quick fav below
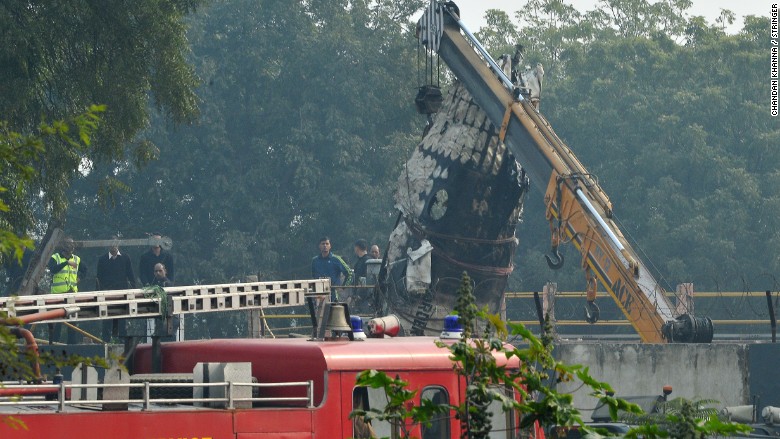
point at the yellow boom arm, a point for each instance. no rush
(577, 208)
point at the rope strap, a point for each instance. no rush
(504, 124)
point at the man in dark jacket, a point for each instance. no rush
(114, 272)
(161, 280)
(361, 251)
(155, 255)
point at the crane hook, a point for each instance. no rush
(558, 263)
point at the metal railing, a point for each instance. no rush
(513, 295)
(569, 294)
(627, 323)
(741, 312)
(229, 388)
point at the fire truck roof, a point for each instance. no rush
(266, 355)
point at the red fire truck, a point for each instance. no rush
(232, 388)
(289, 388)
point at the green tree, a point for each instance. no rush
(23, 156)
(548, 29)
(17, 153)
(641, 18)
(306, 115)
(474, 358)
(56, 59)
(499, 33)
(684, 419)
(672, 121)
(687, 146)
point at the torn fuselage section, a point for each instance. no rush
(460, 198)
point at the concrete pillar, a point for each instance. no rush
(548, 306)
(548, 300)
(255, 321)
(684, 298)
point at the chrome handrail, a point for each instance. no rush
(146, 400)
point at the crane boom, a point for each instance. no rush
(578, 210)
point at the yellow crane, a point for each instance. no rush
(577, 208)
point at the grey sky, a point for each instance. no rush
(473, 11)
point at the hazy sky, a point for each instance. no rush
(473, 11)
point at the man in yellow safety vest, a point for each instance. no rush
(65, 268)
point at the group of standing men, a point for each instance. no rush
(327, 264)
(114, 272)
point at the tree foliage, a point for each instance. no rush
(57, 59)
(682, 418)
(535, 382)
(18, 155)
(23, 158)
(670, 114)
(487, 381)
(306, 118)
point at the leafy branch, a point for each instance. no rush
(400, 408)
(682, 418)
(526, 390)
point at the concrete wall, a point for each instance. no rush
(695, 371)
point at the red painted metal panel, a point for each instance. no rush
(127, 425)
(273, 361)
(322, 422)
(304, 357)
(274, 436)
(328, 421)
(274, 421)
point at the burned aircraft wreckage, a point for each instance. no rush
(460, 198)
